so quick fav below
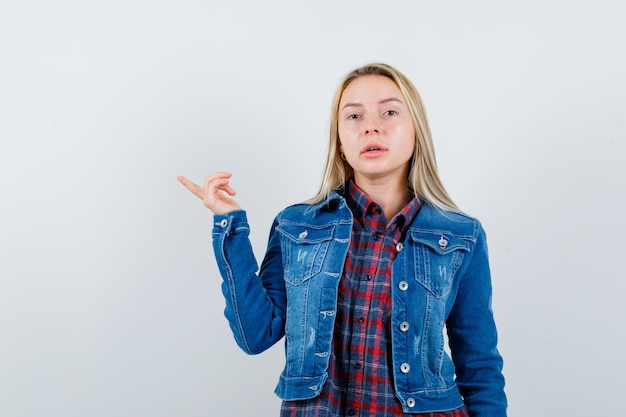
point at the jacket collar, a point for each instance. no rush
(334, 200)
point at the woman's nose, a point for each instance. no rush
(372, 127)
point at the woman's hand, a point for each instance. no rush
(216, 192)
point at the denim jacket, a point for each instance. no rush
(440, 282)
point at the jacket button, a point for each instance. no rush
(410, 402)
(303, 234)
(443, 242)
(223, 223)
(405, 368)
(404, 326)
(400, 246)
(403, 285)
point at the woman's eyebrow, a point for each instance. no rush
(383, 101)
(387, 100)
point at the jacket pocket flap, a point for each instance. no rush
(305, 234)
(442, 243)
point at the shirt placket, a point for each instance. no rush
(368, 284)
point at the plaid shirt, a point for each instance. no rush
(360, 379)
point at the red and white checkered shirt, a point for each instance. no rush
(360, 379)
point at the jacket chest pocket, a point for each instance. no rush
(437, 259)
(303, 250)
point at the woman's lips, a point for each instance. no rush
(372, 150)
(372, 153)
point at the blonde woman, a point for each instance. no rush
(364, 279)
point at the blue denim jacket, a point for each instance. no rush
(440, 281)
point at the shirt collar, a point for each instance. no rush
(360, 205)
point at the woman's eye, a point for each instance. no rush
(391, 112)
(353, 116)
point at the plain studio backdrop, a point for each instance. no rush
(110, 300)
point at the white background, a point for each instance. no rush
(110, 301)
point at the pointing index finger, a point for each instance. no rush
(190, 185)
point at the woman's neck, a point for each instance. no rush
(392, 196)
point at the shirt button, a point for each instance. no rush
(405, 368)
(357, 366)
(400, 246)
(223, 223)
(368, 277)
(404, 326)
(376, 237)
(361, 319)
(303, 234)
(443, 242)
(403, 285)
(352, 412)
(410, 402)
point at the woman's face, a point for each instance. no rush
(376, 130)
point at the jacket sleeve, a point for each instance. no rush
(473, 337)
(255, 301)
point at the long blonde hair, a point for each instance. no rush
(423, 178)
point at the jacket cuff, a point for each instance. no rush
(230, 222)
